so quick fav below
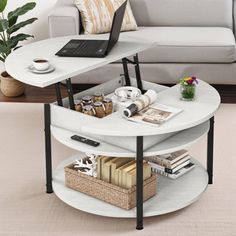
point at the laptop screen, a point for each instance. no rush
(116, 26)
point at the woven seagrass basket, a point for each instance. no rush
(115, 195)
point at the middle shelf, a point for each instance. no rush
(176, 142)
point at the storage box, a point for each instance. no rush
(65, 118)
(124, 198)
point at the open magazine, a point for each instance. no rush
(155, 114)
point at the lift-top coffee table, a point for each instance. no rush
(118, 136)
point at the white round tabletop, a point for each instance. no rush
(18, 62)
(194, 113)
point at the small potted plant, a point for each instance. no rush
(9, 40)
(188, 88)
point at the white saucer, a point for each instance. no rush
(50, 69)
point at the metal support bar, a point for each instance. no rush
(138, 75)
(126, 72)
(70, 94)
(48, 150)
(129, 61)
(58, 94)
(139, 183)
(210, 150)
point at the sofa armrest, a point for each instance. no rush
(63, 21)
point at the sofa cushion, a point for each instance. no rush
(97, 16)
(183, 12)
(186, 44)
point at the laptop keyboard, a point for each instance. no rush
(90, 46)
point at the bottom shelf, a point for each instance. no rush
(171, 196)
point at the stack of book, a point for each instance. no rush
(120, 171)
(172, 165)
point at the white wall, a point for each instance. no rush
(39, 28)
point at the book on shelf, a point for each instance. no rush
(118, 172)
(155, 114)
(170, 160)
(124, 174)
(99, 166)
(115, 165)
(106, 169)
(176, 168)
(131, 175)
(102, 160)
(170, 170)
(178, 173)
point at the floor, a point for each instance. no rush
(47, 95)
(25, 209)
(34, 94)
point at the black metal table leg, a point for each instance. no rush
(210, 150)
(139, 183)
(48, 151)
(138, 75)
(126, 72)
(70, 94)
(58, 94)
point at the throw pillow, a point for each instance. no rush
(97, 15)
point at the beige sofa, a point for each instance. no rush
(191, 37)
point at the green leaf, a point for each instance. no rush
(4, 51)
(16, 27)
(3, 25)
(3, 4)
(12, 21)
(2, 59)
(16, 48)
(13, 15)
(19, 37)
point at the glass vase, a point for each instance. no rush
(187, 92)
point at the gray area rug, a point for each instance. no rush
(25, 209)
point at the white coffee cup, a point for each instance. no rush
(41, 64)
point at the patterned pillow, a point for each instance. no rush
(97, 15)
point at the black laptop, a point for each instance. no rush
(95, 48)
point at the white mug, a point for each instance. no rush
(41, 64)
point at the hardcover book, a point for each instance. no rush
(106, 169)
(167, 170)
(178, 173)
(103, 160)
(124, 174)
(115, 165)
(131, 175)
(118, 172)
(169, 160)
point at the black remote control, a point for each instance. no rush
(85, 140)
